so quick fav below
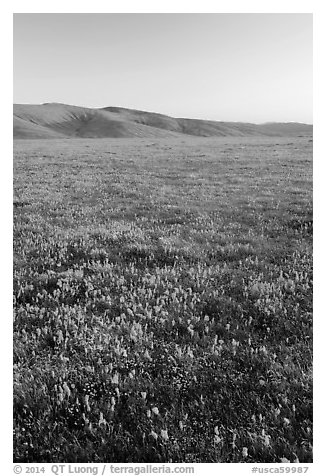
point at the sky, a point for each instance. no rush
(229, 67)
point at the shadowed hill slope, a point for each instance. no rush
(25, 129)
(60, 120)
(54, 120)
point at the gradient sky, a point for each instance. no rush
(231, 67)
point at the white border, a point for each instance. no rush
(168, 6)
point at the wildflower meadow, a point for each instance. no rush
(163, 300)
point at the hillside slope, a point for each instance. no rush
(54, 120)
(61, 120)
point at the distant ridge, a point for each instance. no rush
(56, 120)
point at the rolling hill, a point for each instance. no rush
(55, 120)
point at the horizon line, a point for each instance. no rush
(159, 113)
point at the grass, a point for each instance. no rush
(163, 300)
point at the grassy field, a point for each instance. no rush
(163, 300)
